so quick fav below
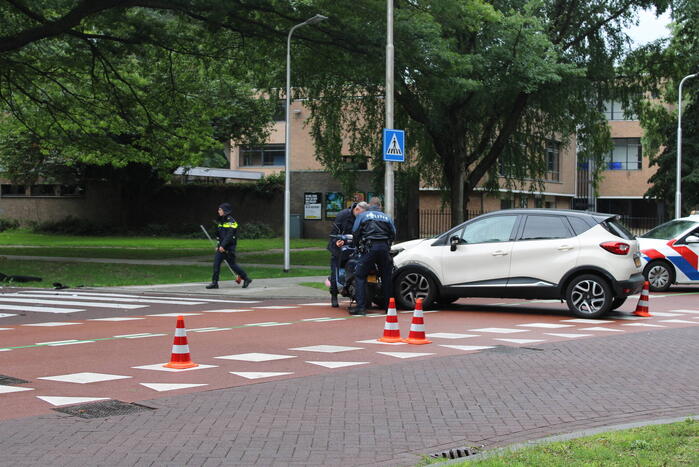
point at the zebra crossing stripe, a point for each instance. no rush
(5, 298)
(40, 309)
(115, 299)
(174, 299)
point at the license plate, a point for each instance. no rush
(371, 278)
(637, 261)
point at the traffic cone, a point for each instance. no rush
(391, 331)
(417, 327)
(643, 300)
(180, 358)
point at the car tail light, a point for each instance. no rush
(618, 248)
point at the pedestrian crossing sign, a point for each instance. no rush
(393, 145)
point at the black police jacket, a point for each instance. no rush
(227, 232)
(342, 225)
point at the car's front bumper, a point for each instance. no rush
(629, 287)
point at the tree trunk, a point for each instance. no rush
(456, 198)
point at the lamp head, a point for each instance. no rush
(315, 19)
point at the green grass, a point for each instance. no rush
(99, 274)
(315, 285)
(26, 238)
(114, 253)
(675, 444)
(300, 258)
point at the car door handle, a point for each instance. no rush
(499, 253)
(565, 247)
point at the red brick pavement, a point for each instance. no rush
(385, 415)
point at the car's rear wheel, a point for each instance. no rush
(412, 284)
(589, 296)
(660, 275)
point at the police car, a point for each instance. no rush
(670, 252)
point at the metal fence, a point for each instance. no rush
(437, 221)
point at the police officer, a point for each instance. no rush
(373, 232)
(342, 225)
(227, 233)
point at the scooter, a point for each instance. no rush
(345, 274)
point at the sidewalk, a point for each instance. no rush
(387, 415)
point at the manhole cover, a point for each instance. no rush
(8, 380)
(108, 408)
(455, 453)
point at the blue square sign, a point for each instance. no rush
(393, 145)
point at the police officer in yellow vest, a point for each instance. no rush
(227, 233)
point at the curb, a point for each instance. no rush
(563, 437)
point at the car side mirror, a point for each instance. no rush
(453, 241)
(692, 239)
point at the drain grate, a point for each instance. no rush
(9, 380)
(102, 409)
(455, 453)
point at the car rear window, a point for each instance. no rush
(614, 226)
(579, 225)
(544, 227)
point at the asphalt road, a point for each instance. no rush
(296, 381)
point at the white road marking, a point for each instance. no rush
(227, 310)
(645, 325)
(686, 311)
(521, 341)
(116, 318)
(376, 341)
(7, 389)
(587, 321)
(259, 374)
(50, 324)
(174, 299)
(255, 357)
(139, 336)
(5, 298)
(115, 299)
(677, 321)
(567, 335)
(405, 354)
(327, 348)
(599, 328)
(40, 309)
(337, 364)
(467, 348)
(6, 315)
(84, 378)
(546, 325)
(64, 400)
(160, 367)
(499, 330)
(160, 387)
(450, 335)
(68, 342)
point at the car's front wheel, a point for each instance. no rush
(659, 275)
(412, 284)
(589, 296)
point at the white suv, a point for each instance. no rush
(588, 259)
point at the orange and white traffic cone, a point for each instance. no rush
(391, 331)
(643, 301)
(180, 358)
(417, 327)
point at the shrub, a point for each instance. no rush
(255, 230)
(74, 226)
(8, 224)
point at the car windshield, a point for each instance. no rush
(668, 230)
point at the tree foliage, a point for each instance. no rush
(119, 82)
(658, 69)
(481, 87)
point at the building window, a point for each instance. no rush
(626, 155)
(553, 161)
(43, 190)
(613, 110)
(280, 111)
(259, 156)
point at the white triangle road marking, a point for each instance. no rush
(405, 354)
(160, 387)
(65, 400)
(260, 374)
(337, 364)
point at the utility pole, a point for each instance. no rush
(389, 178)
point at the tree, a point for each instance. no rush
(481, 87)
(658, 69)
(140, 81)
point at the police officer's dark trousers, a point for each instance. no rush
(229, 257)
(378, 253)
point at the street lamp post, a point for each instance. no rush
(389, 178)
(678, 193)
(287, 141)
